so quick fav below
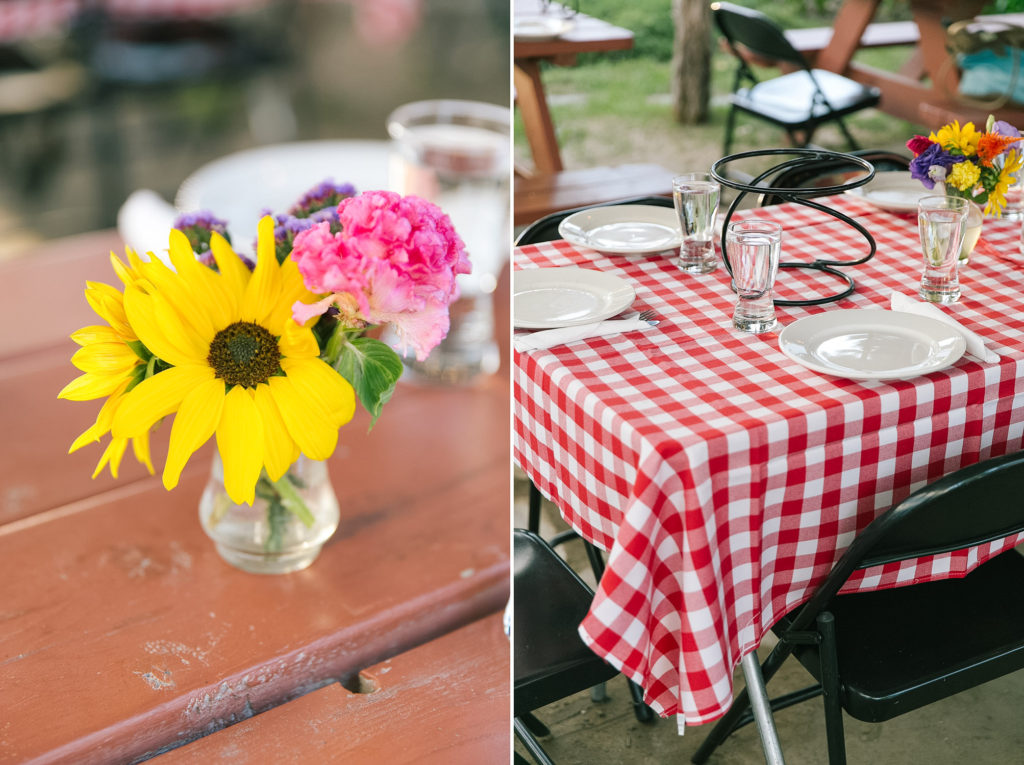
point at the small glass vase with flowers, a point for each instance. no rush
(268, 355)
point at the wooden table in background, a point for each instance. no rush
(931, 102)
(123, 634)
(588, 35)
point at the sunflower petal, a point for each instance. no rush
(91, 385)
(240, 441)
(112, 455)
(191, 304)
(316, 380)
(264, 287)
(160, 329)
(194, 423)
(202, 284)
(297, 342)
(156, 397)
(105, 358)
(234, 272)
(309, 424)
(278, 446)
(95, 333)
(140, 445)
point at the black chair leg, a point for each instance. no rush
(533, 519)
(830, 690)
(532, 745)
(642, 712)
(847, 134)
(535, 726)
(730, 127)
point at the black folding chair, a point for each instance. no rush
(551, 662)
(799, 101)
(546, 230)
(880, 654)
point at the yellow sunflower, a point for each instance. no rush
(997, 197)
(955, 138)
(240, 366)
(111, 365)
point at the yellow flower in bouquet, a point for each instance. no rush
(976, 166)
(111, 360)
(240, 367)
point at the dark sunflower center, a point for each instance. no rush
(244, 354)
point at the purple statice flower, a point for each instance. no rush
(325, 194)
(926, 166)
(199, 227)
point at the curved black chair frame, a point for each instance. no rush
(800, 195)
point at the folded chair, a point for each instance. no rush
(551, 662)
(876, 655)
(799, 101)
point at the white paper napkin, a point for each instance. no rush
(550, 337)
(975, 343)
(144, 222)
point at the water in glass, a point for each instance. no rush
(753, 247)
(940, 221)
(696, 197)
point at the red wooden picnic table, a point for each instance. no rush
(123, 633)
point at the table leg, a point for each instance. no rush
(762, 710)
(533, 107)
(851, 20)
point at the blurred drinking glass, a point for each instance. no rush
(456, 154)
(696, 197)
(753, 248)
(940, 221)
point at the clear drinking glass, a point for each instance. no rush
(753, 247)
(940, 221)
(456, 154)
(696, 197)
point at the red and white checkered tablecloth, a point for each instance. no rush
(725, 479)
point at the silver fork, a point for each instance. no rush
(646, 315)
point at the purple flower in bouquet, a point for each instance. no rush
(933, 165)
(198, 227)
(327, 194)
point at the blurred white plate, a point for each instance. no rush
(545, 298)
(539, 28)
(872, 344)
(236, 188)
(623, 229)
(894, 191)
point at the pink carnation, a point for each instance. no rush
(396, 257)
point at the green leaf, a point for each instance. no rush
(139, 349)
(373, 369)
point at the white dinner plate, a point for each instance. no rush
(539, 28)
(894, 191)
(872, 344)
(623, 229)
(545, 298)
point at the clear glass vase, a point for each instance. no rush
(283, 530)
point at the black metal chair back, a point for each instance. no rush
(551, 661)
(755, 32)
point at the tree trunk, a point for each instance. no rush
(691, 61)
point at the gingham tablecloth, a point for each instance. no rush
(725, 479)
